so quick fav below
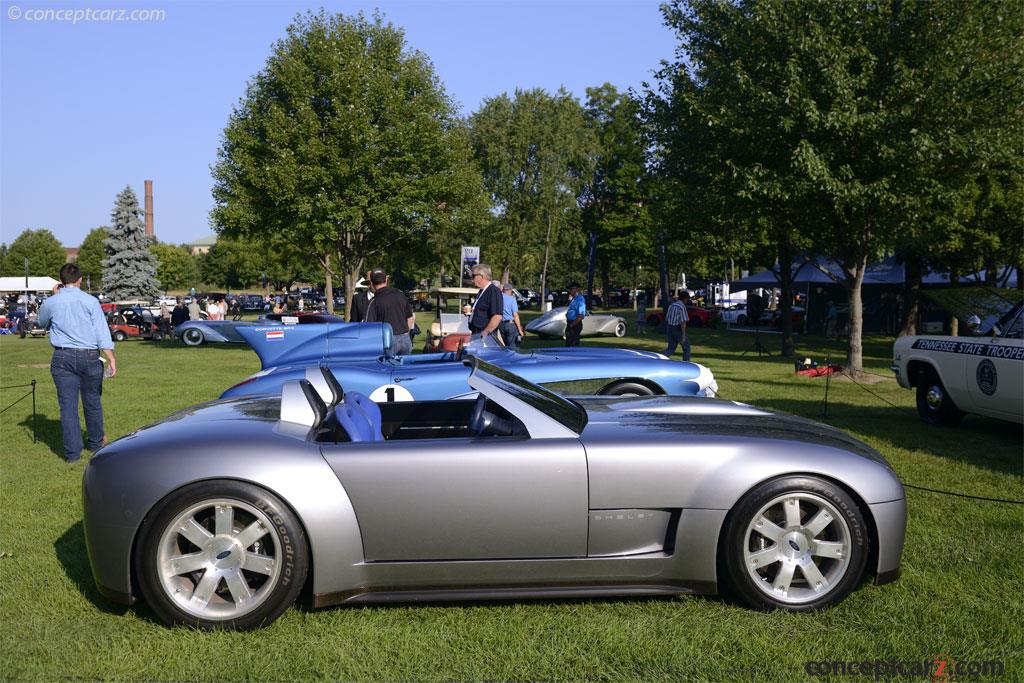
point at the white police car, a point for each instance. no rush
(982, 374)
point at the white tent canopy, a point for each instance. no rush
(35, 284)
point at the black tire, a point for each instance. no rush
(119, 336)
(157, 336)
(794, 580)
(274, 586)
(741, 319)
(193, 336)
(696, 322)
(620, 329)
(934, 404)
(627, 388)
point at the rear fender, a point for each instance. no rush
(278, 344)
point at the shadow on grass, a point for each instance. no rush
(73, 557)
(995, 443)
(48, 431)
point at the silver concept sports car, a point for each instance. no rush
(552, 324)
(517, 493)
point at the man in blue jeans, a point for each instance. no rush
(78, 333)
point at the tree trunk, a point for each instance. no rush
(855, 348)
(911, 294)
(544, 271)
(786, 302)
(328, 282)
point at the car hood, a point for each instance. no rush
(682, 418)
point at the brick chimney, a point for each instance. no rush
(149, 208)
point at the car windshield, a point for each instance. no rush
(568, 413)
(481, 342)
(995, 309)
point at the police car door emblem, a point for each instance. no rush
(986, 376)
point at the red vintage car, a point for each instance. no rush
(699, 317)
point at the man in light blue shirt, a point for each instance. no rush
(78, 333)
(574, 315)
(511, 328)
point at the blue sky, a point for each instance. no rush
(88, 107)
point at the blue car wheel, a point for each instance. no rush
(193, 336)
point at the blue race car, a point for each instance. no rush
(197, 332)
(357, 355)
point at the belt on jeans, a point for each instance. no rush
(71, 348)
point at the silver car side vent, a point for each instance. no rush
(301, 404)
(631, 532)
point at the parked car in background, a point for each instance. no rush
(982, 374)
(773, 317)
(699, 317)
(552, 324)
(735, 314)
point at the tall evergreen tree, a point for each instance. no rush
(129, 270)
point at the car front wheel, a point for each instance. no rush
(192, 337)
(620, 329)
(934, 404)
(627, 389)
(221, 554)
(796, 543)
(119, 336)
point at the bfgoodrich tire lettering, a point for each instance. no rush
(795, 543)
(221, 554)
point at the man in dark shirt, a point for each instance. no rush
(390, 305)
(179, 313)
(361, 302)
(487, 309)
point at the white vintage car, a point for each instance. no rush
(981, 374)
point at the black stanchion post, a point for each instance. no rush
(33, 411)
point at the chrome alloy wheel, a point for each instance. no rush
(219, 559)
(935, 396)
(797, 548)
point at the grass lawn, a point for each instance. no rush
(960, 593)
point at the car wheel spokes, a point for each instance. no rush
(219, 559)
(797, 548)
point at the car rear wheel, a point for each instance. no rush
(119, 336)
(192, 336)
(620, 329)
(796, 543)
(741, 320)
(221, 554)
(627, 389)
(934, 404)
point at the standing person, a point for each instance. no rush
(361, 302)
(78, 333)
(574, 315)
(390, 305)
(486, 315)
(831, 320)
(511, 328)
(302, 303)
(676, 320)
(193, 309)
(212, 310)
(165, 319)
(179, 313)
(641, 316)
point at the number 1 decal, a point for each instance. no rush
(389, 393)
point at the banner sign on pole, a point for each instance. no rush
(470, 257)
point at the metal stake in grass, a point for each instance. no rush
(828, 381)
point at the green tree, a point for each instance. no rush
(231, 263)
(175, 269)
(842, 139)
(344, 145)
(536, 153)
(129, 270)
(44, 252)
(3, 256)
(90, 256)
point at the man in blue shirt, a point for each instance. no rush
(511, 328)
(574, 315)
(78, 333)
